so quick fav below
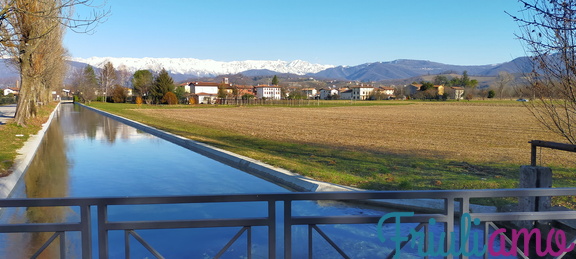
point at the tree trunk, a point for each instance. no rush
(28, 94)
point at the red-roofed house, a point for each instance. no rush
(11, 90)
(203, 92)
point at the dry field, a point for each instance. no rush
(479, 133)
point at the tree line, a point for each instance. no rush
(111, 85)
(502, 87)
(31, 34)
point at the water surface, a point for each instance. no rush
(85, 154)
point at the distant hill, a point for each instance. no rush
(404, 68)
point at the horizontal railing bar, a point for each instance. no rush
(294, 196)
(201, 223)
(515, 216)
(553, 145)
(40, 227)
(319, 220)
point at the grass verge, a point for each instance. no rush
(13, 137)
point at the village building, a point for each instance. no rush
(458, 92)
(202, 92)
(389, 91)
(345, 94)
(414, 88)
(268, 92)
(327, 93)
(361, 92)
(310, 93)
(11, 90)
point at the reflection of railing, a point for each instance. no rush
(455, 204)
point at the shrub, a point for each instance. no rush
(491, 94)
(139, 100)
(469, 97)
(170, 98)
(119, 94)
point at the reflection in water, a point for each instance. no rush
(94, 126)
(46, 177)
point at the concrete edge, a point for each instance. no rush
(279, 175)
(23, 160)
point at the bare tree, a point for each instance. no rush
(107, 79)
(502, 80)
(30, 32)
(123, 76)
(548, 32)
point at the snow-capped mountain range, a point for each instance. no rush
(202, 68)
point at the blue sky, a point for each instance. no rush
(460, 32)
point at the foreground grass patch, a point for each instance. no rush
(13, 137)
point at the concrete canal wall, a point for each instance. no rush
(23, 160)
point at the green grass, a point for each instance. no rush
(13, 137)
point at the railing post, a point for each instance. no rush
(102, 231)
(464, 208)
(449, 209)
(287, 229)
(272, 229)
(86, 220)
(533, 154)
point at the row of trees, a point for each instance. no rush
(31, 35)
(463, 81)
(111, 85)
(504, 86)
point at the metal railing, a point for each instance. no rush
(455, 204)
(547, 144)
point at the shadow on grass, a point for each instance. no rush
(369, 170)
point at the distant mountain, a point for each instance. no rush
(190, 67)
(518, 65)
(405, 68)
(182, 69)
(259, 72)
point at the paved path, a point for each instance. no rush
(6, 113)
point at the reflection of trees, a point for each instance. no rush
(110, 127)
(92, 123)
(47, 176)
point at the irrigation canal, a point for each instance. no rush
(85, 154)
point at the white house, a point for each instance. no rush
(11, 90)
(361, 92)
(268, 91)
(203, 92)
(326, 93)
(310, 93)
(458, 92)
(387, 90)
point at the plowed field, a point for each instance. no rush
(454, 131)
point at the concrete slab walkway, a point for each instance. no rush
(7, 113)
